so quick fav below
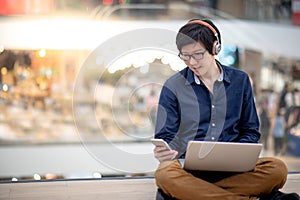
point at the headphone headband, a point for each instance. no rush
(204, 24)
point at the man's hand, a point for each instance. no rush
(163, 154)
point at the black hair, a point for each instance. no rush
(192, 33)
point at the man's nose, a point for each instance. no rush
(192, 60)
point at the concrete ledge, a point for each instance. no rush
(133, 188)
(293, 183)
(143, 188)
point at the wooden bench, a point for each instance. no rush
(142, 188)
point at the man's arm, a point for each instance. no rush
(249, 122)
(167, 123)
(168, 116)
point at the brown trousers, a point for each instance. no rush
(269, 175)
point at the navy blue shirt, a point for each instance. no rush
(188, 111)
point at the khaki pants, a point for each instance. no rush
(269, 175)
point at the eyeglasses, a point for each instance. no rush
(196, 56)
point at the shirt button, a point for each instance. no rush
(213, 124)
(213, 106)
(213, 138)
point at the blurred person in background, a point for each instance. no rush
(282, 96)
(278, 130)
(264, 122)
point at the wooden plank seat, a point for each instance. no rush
(142, 188)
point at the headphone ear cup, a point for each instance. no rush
(216, 48)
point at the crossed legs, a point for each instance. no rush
(269, 175)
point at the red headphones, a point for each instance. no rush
(216, 48)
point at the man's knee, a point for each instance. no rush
(280, 171)
(166, 173)
(277, 171)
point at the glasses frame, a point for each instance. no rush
(180, 55)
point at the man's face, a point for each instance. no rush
(197, 58)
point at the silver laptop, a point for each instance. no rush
(221, 156)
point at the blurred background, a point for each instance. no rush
(45, 43)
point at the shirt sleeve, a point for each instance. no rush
(168, 115)
(249, 122)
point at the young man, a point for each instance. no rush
(210, 101)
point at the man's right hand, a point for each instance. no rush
(163, 154)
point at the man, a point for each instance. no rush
(210, 101)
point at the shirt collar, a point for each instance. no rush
(224, 72)
(192, 78)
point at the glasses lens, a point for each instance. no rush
(184, 57)
(198, 56)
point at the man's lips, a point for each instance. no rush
(198, 67)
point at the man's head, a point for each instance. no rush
(203, 31)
